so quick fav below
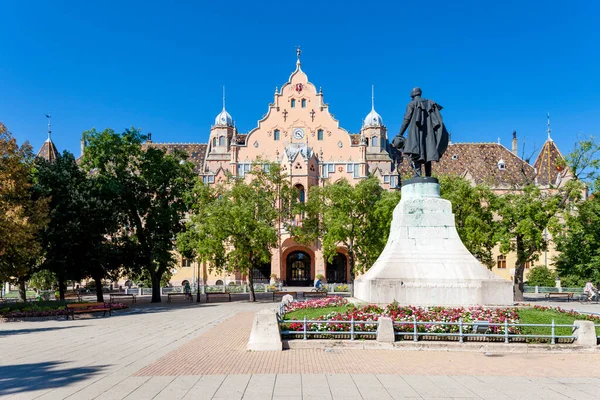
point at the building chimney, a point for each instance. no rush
(82, 146)
(149, 140)
(515, 144)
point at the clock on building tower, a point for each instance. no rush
(298, 133)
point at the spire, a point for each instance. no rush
(298, 53)
(223, 97)
(372, 97)
(49, 129)
(549, 130)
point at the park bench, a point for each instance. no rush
(281, 294)
(187, 296)
(72, 296)
(121, 295)
(314, 294)
(563, 295)
(86, 308)
(218, 294)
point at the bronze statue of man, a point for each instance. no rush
(427, 137)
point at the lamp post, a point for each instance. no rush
(198, 284)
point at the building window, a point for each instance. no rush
(186, 263)
(501, 165)
(320, 134)
(386, 179)
(349, 167)
(303, 102)
(243, 169)
(276, 134)
(301, 193)
(393, 181)
(293, 103)
(266, 167)
(356, 171)
(501, 263)
(527, 264)
(330, 168)
(211, 179)
(214, 142)
(221, 140)
(374, 141)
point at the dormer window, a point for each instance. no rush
(455, 156)
(293, 103)
(303, 102)
(501, 165)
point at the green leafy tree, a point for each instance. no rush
(235, 227)
(356, 217)
(148, 187)
(474, 215)
(578, 242)
(23, 212)
(77, 239)
(541, 276)
(43, 280)
(523, 217)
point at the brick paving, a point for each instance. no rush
(222, 350)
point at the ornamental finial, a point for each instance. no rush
(298, 53)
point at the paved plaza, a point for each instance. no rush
(189, 351)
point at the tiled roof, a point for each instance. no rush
(48, 151)
(195, 151)
(478, 162)
(548, 164)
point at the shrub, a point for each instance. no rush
(572, 281)
(541, 276)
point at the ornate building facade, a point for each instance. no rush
(299, 132)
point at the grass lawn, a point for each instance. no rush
(533, 316)
(15, 294)
(311, 313)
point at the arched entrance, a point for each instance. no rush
(337, 269)
(298, 269)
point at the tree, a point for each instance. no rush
(541, 276)
(578, 241)
(523, 217)
(148, 187)
(357, 217)
(474, 217)
(77, 239)
(234, 227)
(23, 212)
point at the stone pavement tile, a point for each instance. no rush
(397, 387)
(260, 387)
(124, 388)
(425, 387)
(370, 387)
(178, 388)
(452, 388)
(205, 388)
(151, 388)
(315, 387)
(342, 387)
(483, 390)
(522, 388)
(570, 391)
(233, 387)
(586, 388)
(288, 385)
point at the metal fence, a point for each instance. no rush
(458, 331)
(552, 289)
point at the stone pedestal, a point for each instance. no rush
(265, 334)
(425, 262)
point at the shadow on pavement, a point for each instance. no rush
(34, 330)
(22, 378)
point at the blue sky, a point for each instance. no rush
(494, 66)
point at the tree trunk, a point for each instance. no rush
(99, 294)
(61, 289)
(155, 286)
(251, 284)
(22, 290)
(519, 286)
(351, 262)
